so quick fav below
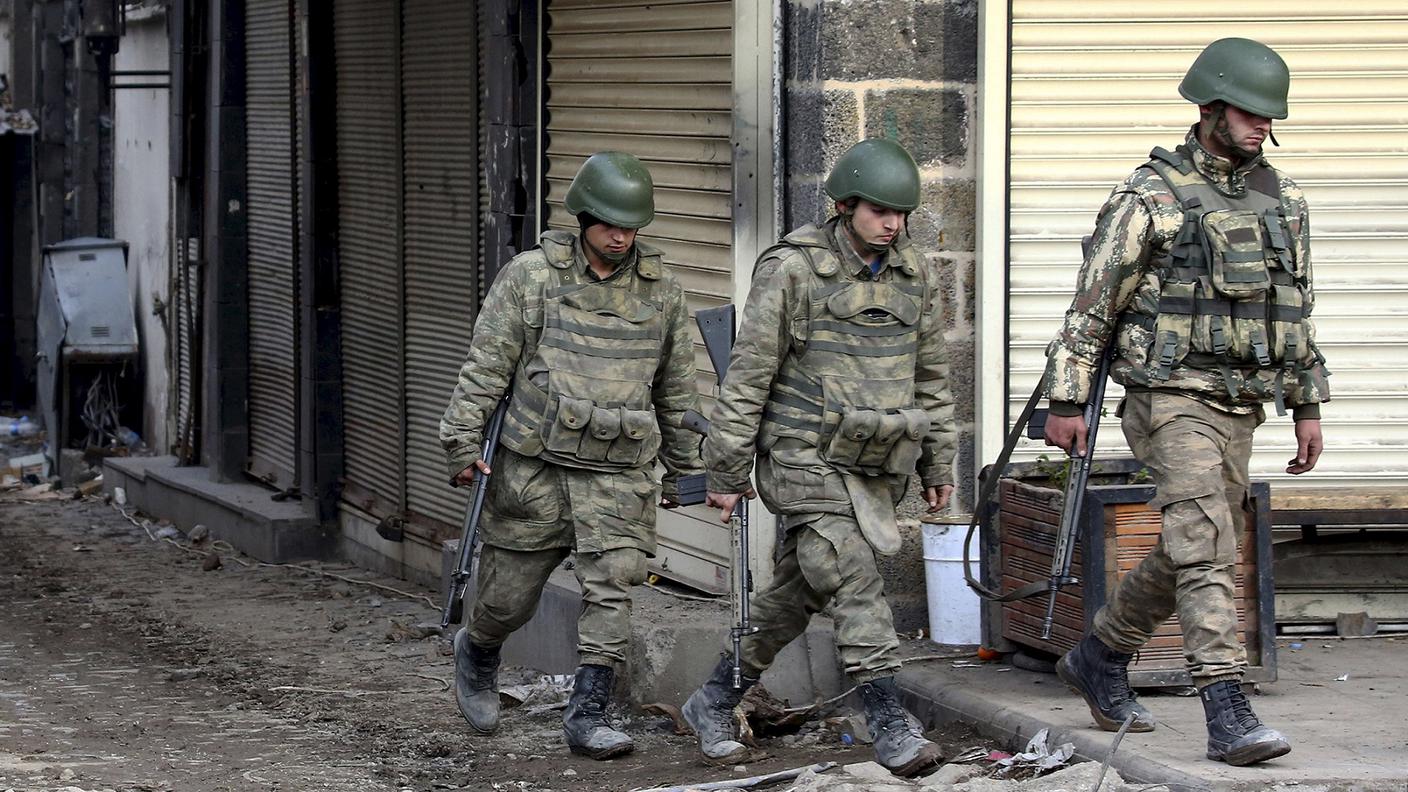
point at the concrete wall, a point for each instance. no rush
(141, 135)
(906, 70)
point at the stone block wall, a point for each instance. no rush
(905, 70)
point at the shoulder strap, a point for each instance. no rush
(1263, 179)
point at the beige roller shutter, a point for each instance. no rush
(654, 79)
(1093, 87)
(441, 195)
(272, 211)
(369, 253)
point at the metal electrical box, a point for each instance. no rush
(84, 318)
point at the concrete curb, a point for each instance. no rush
(935, 700)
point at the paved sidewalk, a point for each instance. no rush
(1350, 734)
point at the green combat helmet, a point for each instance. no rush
(878, 170)
(1243, 73)
(613, 187)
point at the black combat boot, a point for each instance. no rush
(709, 712)
(1101, 676)
(584, 721)
(476, 672)
(1235, 734)
(900, 746)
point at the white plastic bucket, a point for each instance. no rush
(954, 613)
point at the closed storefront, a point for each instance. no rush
(408, 193)
(272, 213)
(1091, 87)
(655, 80)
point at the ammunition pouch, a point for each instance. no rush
(874, 442)
(580, 434)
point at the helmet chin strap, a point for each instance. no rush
(613, 259)
(1272, 135)
(848, 219)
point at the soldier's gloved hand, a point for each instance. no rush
(937, 497)
(725, 502)
(1064, 431)
(466, 477)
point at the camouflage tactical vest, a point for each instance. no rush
(846, 386)
(582, 393)
(1232, 294)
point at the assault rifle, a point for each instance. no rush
(716, 327)
(1077, 477)
(459, 581)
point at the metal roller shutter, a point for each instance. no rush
(655, 80)
(369, 253)
(1093, 87)
(440, 116)
(272, 212)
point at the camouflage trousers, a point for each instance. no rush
(535, 514)
(823, 560)
(1199, 457)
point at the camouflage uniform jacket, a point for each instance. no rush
(773, 332)
(506, 336)
(1136, 226)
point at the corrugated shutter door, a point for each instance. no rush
(655, 80)
(369, 209)
(271, 212)
(439, 96)
(1094, 87)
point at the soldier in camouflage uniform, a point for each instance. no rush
(586, 335)
(838, 384)
(1199, 272)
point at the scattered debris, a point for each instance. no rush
(548, 692)
(211, 563)
(1342, 678)
(747, 783)
(198, 534)
(400, 632)
(1037, 758)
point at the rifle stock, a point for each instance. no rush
(453, 612)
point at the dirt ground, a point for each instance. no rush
(126, 665)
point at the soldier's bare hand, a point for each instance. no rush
(466, 477)
(726, 502)
(1063, 431)
(1309, 444)
(937, 497)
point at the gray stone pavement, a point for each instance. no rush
(1345, 735)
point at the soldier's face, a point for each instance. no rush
(1235, 131)
(610, 239)
(875, 225)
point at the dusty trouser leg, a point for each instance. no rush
(604, 624)
(780, 614)
(509, 585)
(1186, 446)
(1098, 666)
(837, 560)
(1200, 456)
(604, 630)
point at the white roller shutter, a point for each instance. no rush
(1093, 87)
(654, 79)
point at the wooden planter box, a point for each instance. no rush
(1117, 530)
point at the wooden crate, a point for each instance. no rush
(1118, 530)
